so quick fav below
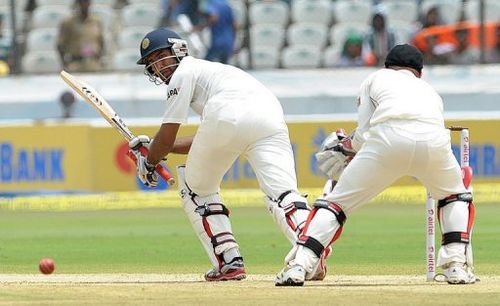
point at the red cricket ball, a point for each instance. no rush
(46, 266)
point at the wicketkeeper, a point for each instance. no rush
(239, 116)
(400, 132)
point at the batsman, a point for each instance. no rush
(239, 116)
(400, 132)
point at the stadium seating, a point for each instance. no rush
(265, 58)
(269, 13)
(49, 16)
(319, 11)
(41, 62)
(5, 12)
(239, 12)
(106, 14)
(279, 30)
(267, 35)
(404, 30)
(130, 37)
(126, 60)
(311, 34)
(140, 15)
(352, 11)
(20, 4)
(40, 3)
(330, 56)
(42, 39)
(148, 2)
(301, 57)
(401, 10)
(491, 11)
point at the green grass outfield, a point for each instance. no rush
(112, 233)
(148, 233)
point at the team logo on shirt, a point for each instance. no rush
(173, 92)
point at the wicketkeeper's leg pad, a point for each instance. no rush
(456, 219)
(324, 226)
(289, 211)
(210, 220)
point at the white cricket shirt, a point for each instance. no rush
(398, 98)
(195, 82)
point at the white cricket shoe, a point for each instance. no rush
(291, 276)
(459, 273)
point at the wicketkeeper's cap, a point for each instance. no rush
(405, 56)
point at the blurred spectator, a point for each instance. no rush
(173, 8)
(28, 13)
(432, 18)
(219, 17)
(380, 39)
(5, 44)
(493, 55)
(352, 53)
(67, 101)
(168, 18)
(436, 53)
(464, 53)
(81, 42)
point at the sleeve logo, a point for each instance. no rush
(172, 92)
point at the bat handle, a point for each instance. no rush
(160, 169)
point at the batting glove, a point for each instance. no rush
(139, 141)
(146, 172)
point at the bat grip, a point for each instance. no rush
(160, 169)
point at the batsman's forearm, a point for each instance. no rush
(182, 145)
(157, 152)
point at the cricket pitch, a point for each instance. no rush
(191, 289)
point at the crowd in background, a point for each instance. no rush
(81, 42)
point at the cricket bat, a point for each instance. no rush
(92, 97)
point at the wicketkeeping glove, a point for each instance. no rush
(336, 152)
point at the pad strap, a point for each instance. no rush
(333, 208)
(455, 237)
(460, 237)
(212, 209)
(464, 197)
(312, 244)
(222, 238)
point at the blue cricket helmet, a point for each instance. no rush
(162, 38)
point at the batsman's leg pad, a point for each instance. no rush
(456, 219)
(289, 211)
(210, 220)
(324, 226)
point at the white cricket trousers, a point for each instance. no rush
(390, 153)
(255, 129)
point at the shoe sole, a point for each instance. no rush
(289, 283)
(235, 276)
(460, 282)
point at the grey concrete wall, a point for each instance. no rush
(329, 91)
